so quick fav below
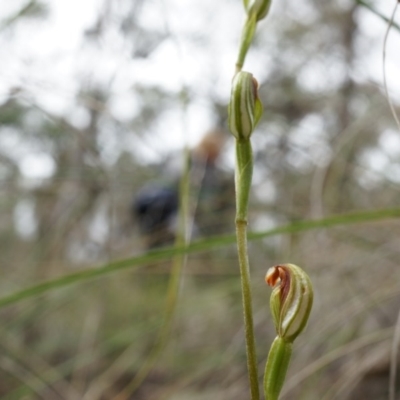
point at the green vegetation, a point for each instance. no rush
(87, 311)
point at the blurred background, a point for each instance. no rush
(98, 100)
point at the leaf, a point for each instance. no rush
(195, 247)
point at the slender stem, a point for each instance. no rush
(244, 169)
(248, 31)
(241, 233)
(171, 301)
(243, 177)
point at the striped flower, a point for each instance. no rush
(291, 300)
(245, 108)
(259, 7)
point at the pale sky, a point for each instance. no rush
(47, 56)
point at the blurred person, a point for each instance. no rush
(155, 206)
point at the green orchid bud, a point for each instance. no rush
(291, 300)
(258, 7)
(245, 108)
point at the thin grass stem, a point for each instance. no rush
(199, 246)
(178, 264)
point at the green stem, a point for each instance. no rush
(244, 169)
(248, 31)
(276, 368)
(243, 177)
(241, 233)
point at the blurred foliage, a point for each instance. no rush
(326, 147)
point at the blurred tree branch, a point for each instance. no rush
(33, 9)
(368, 5)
